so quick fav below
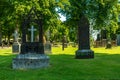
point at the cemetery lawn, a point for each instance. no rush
(63, 66)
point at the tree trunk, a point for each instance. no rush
(8, 42)
(44, 39)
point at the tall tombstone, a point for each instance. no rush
(84, 51)
(32, 52)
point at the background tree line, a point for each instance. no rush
(100, 13)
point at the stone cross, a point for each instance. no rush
(15, 34)
(32, 29)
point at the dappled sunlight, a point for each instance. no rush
(58, 50)
(69, 50)
(113, 50)
(6, 51)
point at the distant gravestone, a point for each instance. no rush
(84, 40)
(47, 45)
(32, 53)
(104, 37)
(98, 41)
(98, 37)
(118, 39)
(16, 44)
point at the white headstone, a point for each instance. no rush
(15, 34)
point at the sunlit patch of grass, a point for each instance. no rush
(6, 51)
(113, 50)
(71, 50)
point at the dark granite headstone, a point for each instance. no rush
(98, 37)
(104, 34)
(84, 41)
(32, 52)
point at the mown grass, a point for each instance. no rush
(63, 66)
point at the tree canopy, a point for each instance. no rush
(100, 13)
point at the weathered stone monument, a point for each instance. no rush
(84, 41)
(32, 52)
(47, 45)
(16, 44)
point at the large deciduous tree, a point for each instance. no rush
(48, 9)
(6, 11)
(100, 13)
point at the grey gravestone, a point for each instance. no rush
(84, 41)
(47, 47)
(118, 39)
(16, 44)
(32, 53)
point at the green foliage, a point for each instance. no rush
(101, 13)
(13, 11)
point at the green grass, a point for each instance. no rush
(63, 66)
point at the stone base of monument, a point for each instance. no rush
(30, 61)
(16, 47)
(84, 54)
